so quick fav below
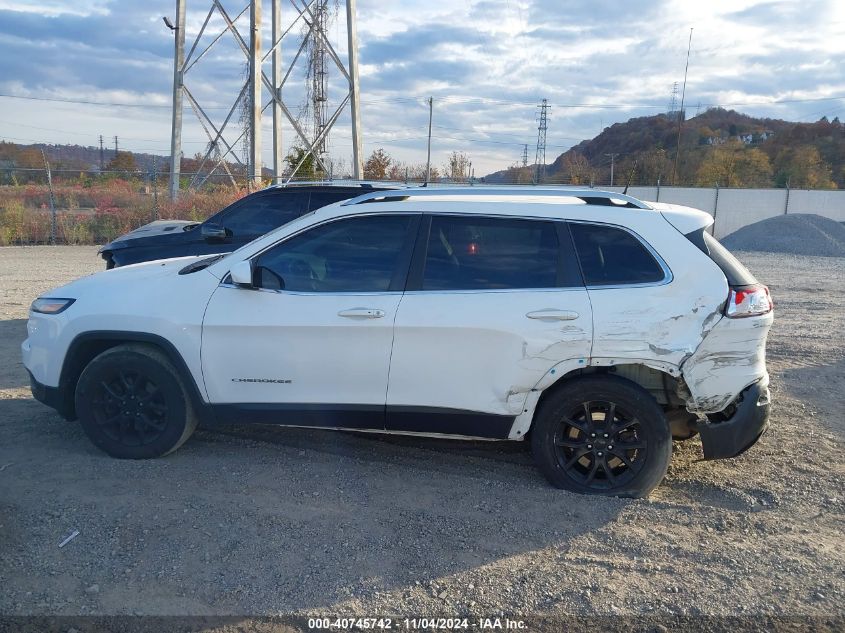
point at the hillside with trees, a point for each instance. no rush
(719, 146)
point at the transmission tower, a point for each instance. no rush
(540, 156)
(261, 90)
(673, 100)
(525, 155)
(319, 97)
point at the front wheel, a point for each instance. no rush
(132, 403)
(602, 435)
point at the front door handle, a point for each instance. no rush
(553, 315)
(361, 313)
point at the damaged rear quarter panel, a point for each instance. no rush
(663, 322)
(731, 357)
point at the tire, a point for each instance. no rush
(132, 403)
(584, 455)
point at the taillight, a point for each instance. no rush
(746, 301)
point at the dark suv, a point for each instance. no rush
(229, 229)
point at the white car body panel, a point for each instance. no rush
(253, 337)
(148, 298)
(478, 350)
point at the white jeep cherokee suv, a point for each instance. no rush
(596, 325)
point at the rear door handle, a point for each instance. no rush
(553, 315)
(361, 313)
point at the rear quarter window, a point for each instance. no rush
(610, 256)
(734, 271)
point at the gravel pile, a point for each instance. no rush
(797, 234)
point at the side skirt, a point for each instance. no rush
(434, 421)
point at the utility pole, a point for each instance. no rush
(540, 155)
(612, 159)
(525, 155)
(178, 93)
(428, 158)
(354, 91)
(681, 114)
(254, 92)
(53, 219)
(102, 154)
(115, 146)
(278, 150)
(155, 188)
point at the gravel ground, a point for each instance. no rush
(265, 521)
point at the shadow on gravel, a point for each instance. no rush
(12, 372)
(265, 520)
(819, 388)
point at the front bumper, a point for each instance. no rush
(741, 431)
(53, 397)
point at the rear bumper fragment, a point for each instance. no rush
(741, 431)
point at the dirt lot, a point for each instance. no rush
(275, 521)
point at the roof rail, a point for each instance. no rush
(590, 196)
(363, 184)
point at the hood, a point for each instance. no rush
(685, 219)
(159, 227)
(124, 276)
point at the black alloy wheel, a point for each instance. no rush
(601, 434)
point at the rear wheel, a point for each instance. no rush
(602, 435)
(132, 403)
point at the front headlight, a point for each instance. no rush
(50, 305)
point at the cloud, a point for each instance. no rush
(487, 64)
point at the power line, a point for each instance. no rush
(447, 100)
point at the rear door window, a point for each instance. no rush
(611, 256)
(476, 253)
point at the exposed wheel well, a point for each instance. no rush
(662, 386)
(85, 347)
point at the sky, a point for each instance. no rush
(486, 63)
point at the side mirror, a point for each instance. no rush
(211, 231)
(241, 274)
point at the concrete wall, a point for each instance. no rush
(735, 208)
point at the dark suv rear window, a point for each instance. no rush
(735, 272)
(610, 256)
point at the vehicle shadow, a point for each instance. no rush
(12, 372)
(819, 386)
(265, 520)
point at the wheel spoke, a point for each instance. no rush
(588, 415)
(608, 471)
(570, 443)
(579, 453)
(111, 420)
(158, 426)
(621, 455)
(610, 415)
(112, 394)
(157, 407)
(128, 384)
(624, 424)
(593, 471)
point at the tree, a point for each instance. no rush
(732, 165)
(123, 163)
(578, 168)
(457, 167)
(803, 168)
(377, 165)
(308, 169)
